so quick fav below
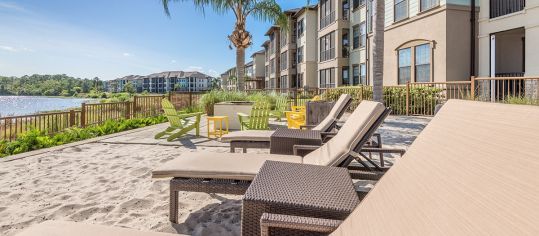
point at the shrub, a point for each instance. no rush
(215, 96)
(521, 100)
(36, 139)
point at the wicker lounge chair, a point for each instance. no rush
(471, 171)
(261, 138)
(180, 123)
(231, 173)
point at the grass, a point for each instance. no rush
(37, 139)
(209, 99)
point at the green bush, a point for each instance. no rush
(36, 139)
(521, 100)
(215, 96)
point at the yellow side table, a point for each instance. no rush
(217, 129)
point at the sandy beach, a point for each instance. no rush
(108, 182)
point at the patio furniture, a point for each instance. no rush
(261, 139)
(326, 192)
(217, 130)
(295, 119)
(232, 172)
(281, 104)
(258, 119)
(283, 140)
(457, 178)
(180, 123)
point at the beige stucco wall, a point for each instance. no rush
(528, 18)
(310, 49)
(430, 26)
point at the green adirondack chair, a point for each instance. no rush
(180, 123)
(258, 119)
(281, 105)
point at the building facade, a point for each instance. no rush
(164, 82)
(255, 73)
(306, 47)
(274, 57)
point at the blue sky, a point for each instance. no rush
(110, 39)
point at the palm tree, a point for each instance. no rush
(378, 51)
(265, 10)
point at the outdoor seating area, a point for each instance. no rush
(351, 174)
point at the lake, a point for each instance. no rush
(24, 105)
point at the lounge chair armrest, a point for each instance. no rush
(242, 114)
(306, 126)
(328, 134)
(308, 224)
(183, 116)
(384, 150)
(297, 148)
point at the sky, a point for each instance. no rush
(110, 39)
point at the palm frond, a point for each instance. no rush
(267, 10)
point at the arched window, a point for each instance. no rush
(414, 61)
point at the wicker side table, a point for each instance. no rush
(300, 190)
(283, 140)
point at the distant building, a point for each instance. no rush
(164, 82)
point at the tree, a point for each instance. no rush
(129, 88)
(265, 10)
(378, 51)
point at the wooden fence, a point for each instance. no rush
(91, 114)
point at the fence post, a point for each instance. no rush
(408, 98)
(190, 98)
(127, 109)
(71, 118)
(83, 115)
(295, 97)
(472, 87)
(135, 98)
(170, 96)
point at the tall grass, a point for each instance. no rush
(216, 96)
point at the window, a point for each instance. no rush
(369, 15)
(362, 35)
(345, 43)
(401, 10)
(300, 27)
(327, 13)
(327, 47)
(358, 3)
(427, 4)
(422, 63)
(284, 82)
(355, 74)
(345, 76)
(300, 80)
(345, 10)
(284, 37)
(266, 71)
(272, 66)
(363, 74)
(294, 59)
(355, 33)
(300, 54)
(404, 65)
(327, 78)
(284, 61)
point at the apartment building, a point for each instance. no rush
(288, 50)
(333, 34)
(358, 44)
(508, 34)
(266, 47)
(164, 82)
(274, 57)
(255, 71)
(306, 46)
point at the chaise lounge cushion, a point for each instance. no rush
(238, 166)
(66, 228)
(248, 135)
(472, 171)
(356, 126)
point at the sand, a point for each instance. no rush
(109, 182)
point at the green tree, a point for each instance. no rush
(264, 10)
(129, 88)
(77, 89)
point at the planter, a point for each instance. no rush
(317, 111)
(231, 109)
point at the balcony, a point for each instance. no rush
(504, 7)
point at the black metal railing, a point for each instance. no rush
(504, 7)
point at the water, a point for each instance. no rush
(24, 105)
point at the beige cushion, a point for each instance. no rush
(332, 116)
(65, 228)
(237, 166)
(474, 170)
(335, 150)
(248, 135)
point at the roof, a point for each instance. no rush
(271, 29)
(303, 9)
(167, 74)
(262, 51)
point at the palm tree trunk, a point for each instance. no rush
(378, 51)
(240, 68)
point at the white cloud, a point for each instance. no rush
(126, 54)
(8, 48)
(12, 6)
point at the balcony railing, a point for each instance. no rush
(504, 7)
(327, 20)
